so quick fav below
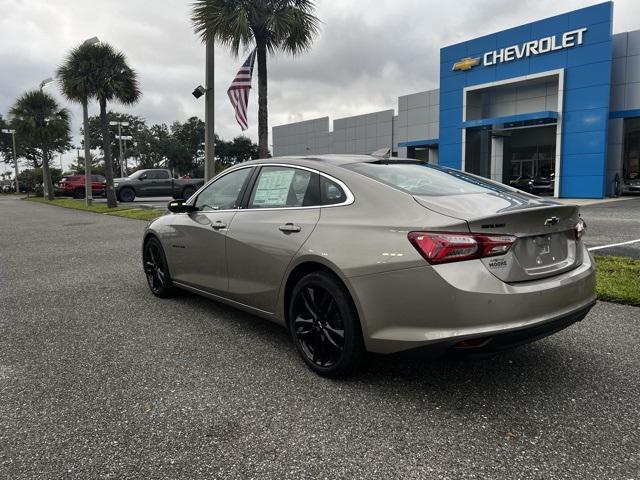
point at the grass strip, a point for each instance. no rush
(618, 280)
(125, 211)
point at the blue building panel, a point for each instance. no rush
(590, 54)
(584, 120)
(587, 97)
(587, 73)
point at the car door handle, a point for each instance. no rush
(218, 225)
(289, 228)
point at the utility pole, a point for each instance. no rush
(12, 132)
(209, 115)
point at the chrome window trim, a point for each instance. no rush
(349, 200)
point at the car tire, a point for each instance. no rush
(78, 193)
(187, 192)
(156, 269)
(324, 325)
(127, 195)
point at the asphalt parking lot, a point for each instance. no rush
(99, 379)
(612, 223)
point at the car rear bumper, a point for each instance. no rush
(416, 307)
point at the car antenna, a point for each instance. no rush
(382, 153)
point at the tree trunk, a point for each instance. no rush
(88, 194)
(108, 163)
(263, 121)
(47, 184)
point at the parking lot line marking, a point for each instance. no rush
(613, 245)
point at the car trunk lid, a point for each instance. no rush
(546, 244)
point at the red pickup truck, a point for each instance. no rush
(73, 186)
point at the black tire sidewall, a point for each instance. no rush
(167, 289)
(125, 191)
(353, 352)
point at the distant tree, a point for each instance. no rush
(32, 177)
(190, 135)
(6, 147)
(270, 25)
(97, 165)
(116, 81)
(151, 146)
(240, 149)
(42, 127)
(136, 125)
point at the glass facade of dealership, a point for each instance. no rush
(552, 106)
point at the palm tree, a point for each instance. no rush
(270, 25)
(112, 80)
(42, 127)
(78, 79)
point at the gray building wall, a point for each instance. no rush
(531, 96)
(417, 119)
(363, 134)
(302, 138)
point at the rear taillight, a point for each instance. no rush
(445, 247)
(580, 228)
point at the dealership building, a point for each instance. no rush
(557, 99)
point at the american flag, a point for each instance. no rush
(239, 90)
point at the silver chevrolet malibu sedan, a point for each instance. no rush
(360, 253)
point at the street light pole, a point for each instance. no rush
(209, 115)
(120, 125)
(123, 154)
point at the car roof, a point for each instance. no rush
(330, 159)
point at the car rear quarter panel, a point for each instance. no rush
(369, 236)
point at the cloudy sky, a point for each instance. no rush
(368, 52)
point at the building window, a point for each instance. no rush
(631, 158)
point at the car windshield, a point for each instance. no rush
(425, 179)
(135, 175)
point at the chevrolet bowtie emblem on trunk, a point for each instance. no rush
(551, 221)
(466, 63)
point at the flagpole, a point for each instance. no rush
(209, 115)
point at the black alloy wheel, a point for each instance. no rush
(127, 195)
(325, 326)
(155, 269)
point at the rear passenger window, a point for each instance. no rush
(282, 187)
(331, 192)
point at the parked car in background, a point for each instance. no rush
(355, 253)
(157, 182)
(74, 186)
(538, 185)
(631, 184)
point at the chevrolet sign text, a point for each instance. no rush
(534, 47)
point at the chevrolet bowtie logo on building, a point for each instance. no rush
(466, 64)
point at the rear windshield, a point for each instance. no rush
(424, 179)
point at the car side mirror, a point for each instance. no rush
(179, 206)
